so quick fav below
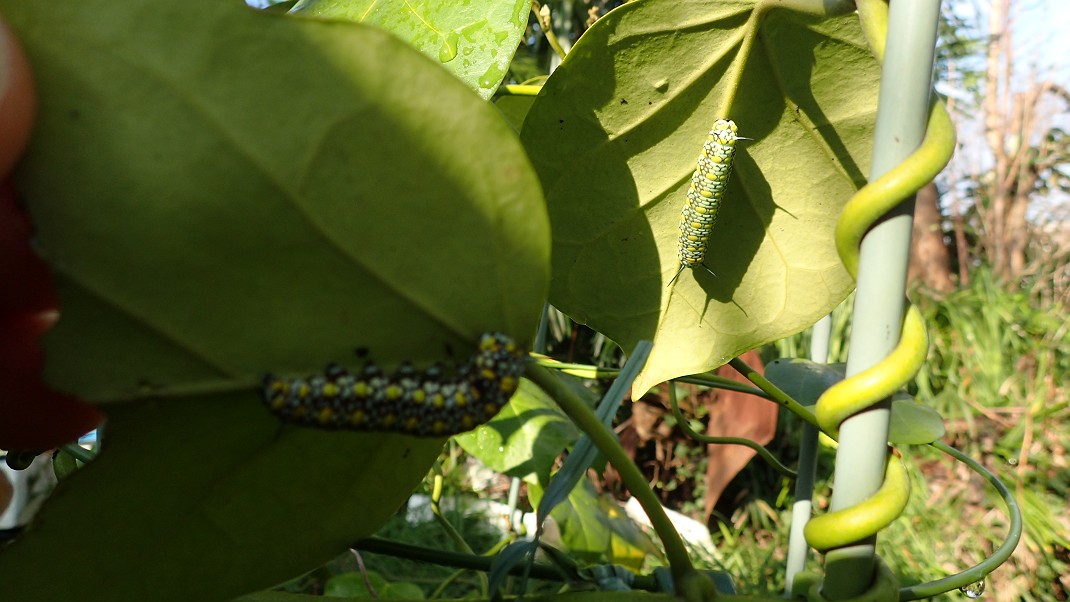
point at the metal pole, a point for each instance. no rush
(798, 549)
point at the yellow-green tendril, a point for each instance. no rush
(862, 520)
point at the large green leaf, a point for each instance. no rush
(224, 192)
(207, 499)
(614, 136)
(475, 39)
(240, 193)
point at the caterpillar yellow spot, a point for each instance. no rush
(508, 385)
(277, 403)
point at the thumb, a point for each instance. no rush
(16, 100)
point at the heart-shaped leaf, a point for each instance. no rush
(615, 134)
(226, 210)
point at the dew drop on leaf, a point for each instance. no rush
(448, 51)
(492, 76)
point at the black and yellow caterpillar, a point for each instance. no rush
(427, 403)
(704, 196)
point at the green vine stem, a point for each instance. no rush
(397, 549)
(519, 90)
(774, 392)
(1003, 552)
(758, 449)
(441, 588)
(542, 14)
(447, 526)
(78, 452)
(633, 479)
(705, 379)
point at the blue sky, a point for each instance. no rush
(1042, 47)
(1041, 36)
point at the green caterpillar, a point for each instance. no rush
(704, 196)
(427, 403)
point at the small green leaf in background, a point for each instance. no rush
(475, 40)
(64, 464)
(525, 438)
(223, 192)
(803, 379)
(912, 423)
(353, 585)
(594, 529)
(615, 134)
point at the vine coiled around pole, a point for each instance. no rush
(862, 390)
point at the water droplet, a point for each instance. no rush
(469, 31)
(448, 51)
(974, 590)
(492, 76)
